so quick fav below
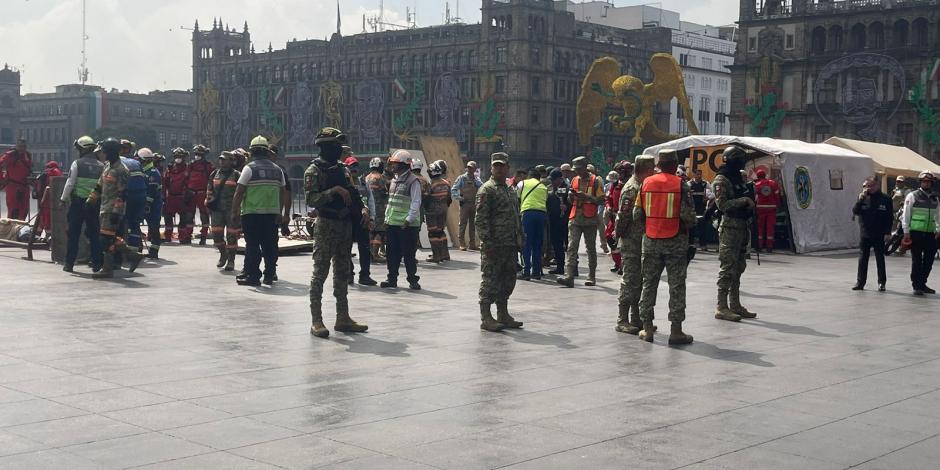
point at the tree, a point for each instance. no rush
(143, 136)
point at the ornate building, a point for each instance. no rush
(9, 104)
(511, 82)
(861, 69)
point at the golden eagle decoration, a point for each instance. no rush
(603, 86)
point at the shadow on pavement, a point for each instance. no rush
(731, 355)
(363, 344)
(531, 337)
(285, 288)
(790, 329)
(767, 297)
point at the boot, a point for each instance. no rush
(488, 323)
(317, 328)
(230, 259)
(636, 325)
(566, 281)
(132, 256)
(591, 281)
(677, 337)
(69, 267)
(736, 307)
(153, 252)
(107, 268)
(646, 334)
(223, 257)
(445, 252)
(623, 321)
(348, 325)
(202, 240)
(722, 312)
(503, 317)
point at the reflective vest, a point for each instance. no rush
(399, 200)
(89, 170)
(137, 180)
(533, 196)
(923, 213)
(263, 192)
(588, 209)
(661, 197)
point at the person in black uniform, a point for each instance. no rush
(557, 207)
(875, 216)
(699, 203)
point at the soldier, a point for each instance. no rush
(665, 209)
(360, 230)
(83, 176)
(497, 221)
(328, 189)
(438, 203)
(154, 206)
(174, 194)
(630, 243)
(220, 193)
(378, 184)
(464, 192)
(110, 192)
(196, 182)
(586, 195)
(737, 209)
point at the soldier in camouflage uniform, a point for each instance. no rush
(630, 244)
(498, 226)
(220, 193)
(378, 182)
(737, 208)
(665, 243)
(329, 190)
(111, 191)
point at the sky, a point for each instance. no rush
(143, 45)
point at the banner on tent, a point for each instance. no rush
(708, 159)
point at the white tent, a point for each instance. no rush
(890, 161)
(821, 183)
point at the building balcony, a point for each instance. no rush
(837, 6)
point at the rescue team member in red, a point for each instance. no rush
(45, 202)
(585, 195)
(174, 194)
(196, 182)
(768, 198)
(15, 167)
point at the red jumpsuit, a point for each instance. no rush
(612, 204)
(15, 170)
(767, 194)
(174, 195)
(196, 183)
(45, 201)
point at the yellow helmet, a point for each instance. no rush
(85, 143)
(259, 142)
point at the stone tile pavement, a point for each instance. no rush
(177, 367)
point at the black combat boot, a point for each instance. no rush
(223, 257)
(677, 337)
(487, 322)
(107, 268)
(504, 318)
(346, 324)
(230, 259)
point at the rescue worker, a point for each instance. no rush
(416, 167)
(533, 204)
(45, 202)
(403, 216)
(154, 206)
(438, 204)
(16, 166)
(921, 225)
(767, 198)
(875, 213)
(260, 204)
(83, 176)
(497, 221)
(897, 201)
(700, 190)
(586, 195)
(110, 192)
(197, 180)
(361, 231)
(136, 199)
(175, 180)
(557, 210)
(665, 209)
(220, 194)
(736, 204)
(275, 154)
(464, 192)
(329, 190)
(378, 185)
(622, 172)
(629, 232)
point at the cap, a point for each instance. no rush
(471, 164)
(556, 174)
(540, 168)
(226, 155)
(127, 143)
(351, 161)
(579, 163)
(259, 142)
(644, 163)
(565, 167)
(926, 175)
(613, 176)
(667, 156)
(900, 178)
(330, 134)
(501, 158)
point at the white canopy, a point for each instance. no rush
(889, 160)
(821, 183)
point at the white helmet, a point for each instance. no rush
(435, 169)
(416, 164)
(375, 163)
(145, 154)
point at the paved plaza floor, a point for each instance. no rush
(177, 367)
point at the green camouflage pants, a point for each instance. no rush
(732, 255)
(668, 254)
(332, 241)
(632, 282)
(499, 274)
(574, 243)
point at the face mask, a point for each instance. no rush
(177, 160)
(197, 157)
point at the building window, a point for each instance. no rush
(535, 111)
(683, 59)
(163, 139)
(703, 115)
(707, 63)
(501, 54)
(689, 80)
(140, 112)
(790, 44)
(821, 133)
(706, 83)
(536, 86)
(906, 134)
(536, 56)
(500, 84)
(182, 115)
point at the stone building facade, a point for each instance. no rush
(511, 82)
(9, 105)
(812, 69)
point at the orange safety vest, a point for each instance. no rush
(661, 197)
(589, 209)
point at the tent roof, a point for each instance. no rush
(891, 160)
(763, 144)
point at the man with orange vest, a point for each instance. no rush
(767, 195)
(665, 207)
(585, 195)
(15, 168)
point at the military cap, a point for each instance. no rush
(565, 167)
(226, 155)
(644, 163)
(540, 168)
(330, 134)
(667, 156)
(499, 157)
(471, 164)
(579, 163)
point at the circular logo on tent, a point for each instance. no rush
(803, 186)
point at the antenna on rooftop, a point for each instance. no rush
(83, 69)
